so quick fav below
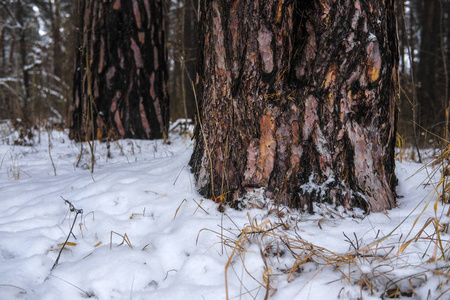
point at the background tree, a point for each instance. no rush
(424, 52)
(429, 58)
(33, 35)
(298, 98)
(120, 70)
(182, 49)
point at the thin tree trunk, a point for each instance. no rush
(427, 91)
(298, 98)
(76, 111)
(402, 33)
(26, 95)
(122, 66)
(55, 20)
(190, 53)
(2, 48)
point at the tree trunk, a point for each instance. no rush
(120, 76)
(297, 98)
(428, 88)
(77, 130)
(190, 53)
(183, 40)
(55, 20)
(402, 33)
(2, 49)
(23, 50)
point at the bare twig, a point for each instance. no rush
(77, 212)
(178, 175)
(200, 206)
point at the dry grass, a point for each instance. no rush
(124, 237)
(378, 267)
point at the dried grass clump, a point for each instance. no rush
(381, 268)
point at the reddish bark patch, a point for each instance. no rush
(137, 54)
(141, 36)
(156, 58)
(137, 14)
(373, 62)
(117, 5)
(267, 147)
(101, 63)
(265, 50)
(144, 120)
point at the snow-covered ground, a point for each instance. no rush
(145, 233)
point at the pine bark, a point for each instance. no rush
(297, 98)
(120, 71)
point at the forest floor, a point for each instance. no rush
(141, 231)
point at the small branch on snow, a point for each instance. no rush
(77, 212)
(50, 153)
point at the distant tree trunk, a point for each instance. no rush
(26, 95)
(4, 107)
(428, 91)
(55, 19)
(298, 98)
(190, 54)
(120, 76)
(183, 40)
(448, 32)
(75, 110)
(447, 26)
(2, 48)
(402, 33)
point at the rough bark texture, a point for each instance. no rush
(120, 76)
(298, 98)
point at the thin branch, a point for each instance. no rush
(50, 152)
(77, 212)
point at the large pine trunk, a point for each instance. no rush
(297, 98)
(120, 70)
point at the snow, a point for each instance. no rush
(180, 246)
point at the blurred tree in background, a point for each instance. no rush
(35, 65)
(37, 46)
(120, 79)
(424, 37)
(182, 50)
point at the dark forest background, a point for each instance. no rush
(37, 49)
